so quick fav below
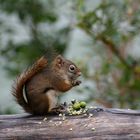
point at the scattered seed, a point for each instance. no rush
(70, 129)
(45, 119)
(86, 125)
(63, 118)
(39, 122)
(85, 114)
(91, 107)
(60, 122)
(93, 129)
(60, 115)
(90, 115)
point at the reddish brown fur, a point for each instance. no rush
(41, 77)
(23, 78)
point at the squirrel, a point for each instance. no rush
(37, 88)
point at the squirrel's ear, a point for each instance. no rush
(59, 61)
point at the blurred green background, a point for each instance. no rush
(101, 36)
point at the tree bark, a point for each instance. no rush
(100, 125)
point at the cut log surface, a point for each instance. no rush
(102, 125)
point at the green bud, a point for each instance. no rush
(82, 104)
(76, 106)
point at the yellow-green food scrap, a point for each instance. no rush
(76, 106)
(82, 104)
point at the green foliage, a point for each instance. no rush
(7, 111)
(35, 9)
(111, 25)
(114, 24)
(31, 14)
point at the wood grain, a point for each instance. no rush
(103, 125)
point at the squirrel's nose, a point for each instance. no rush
(79, 73)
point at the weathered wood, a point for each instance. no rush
(102, 125)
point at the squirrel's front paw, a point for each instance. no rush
(62, 108)
(76, 83)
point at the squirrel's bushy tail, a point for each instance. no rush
(17, 89)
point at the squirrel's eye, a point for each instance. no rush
(71, 68)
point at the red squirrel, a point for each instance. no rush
(38, 88)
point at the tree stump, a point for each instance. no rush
(104, 125)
